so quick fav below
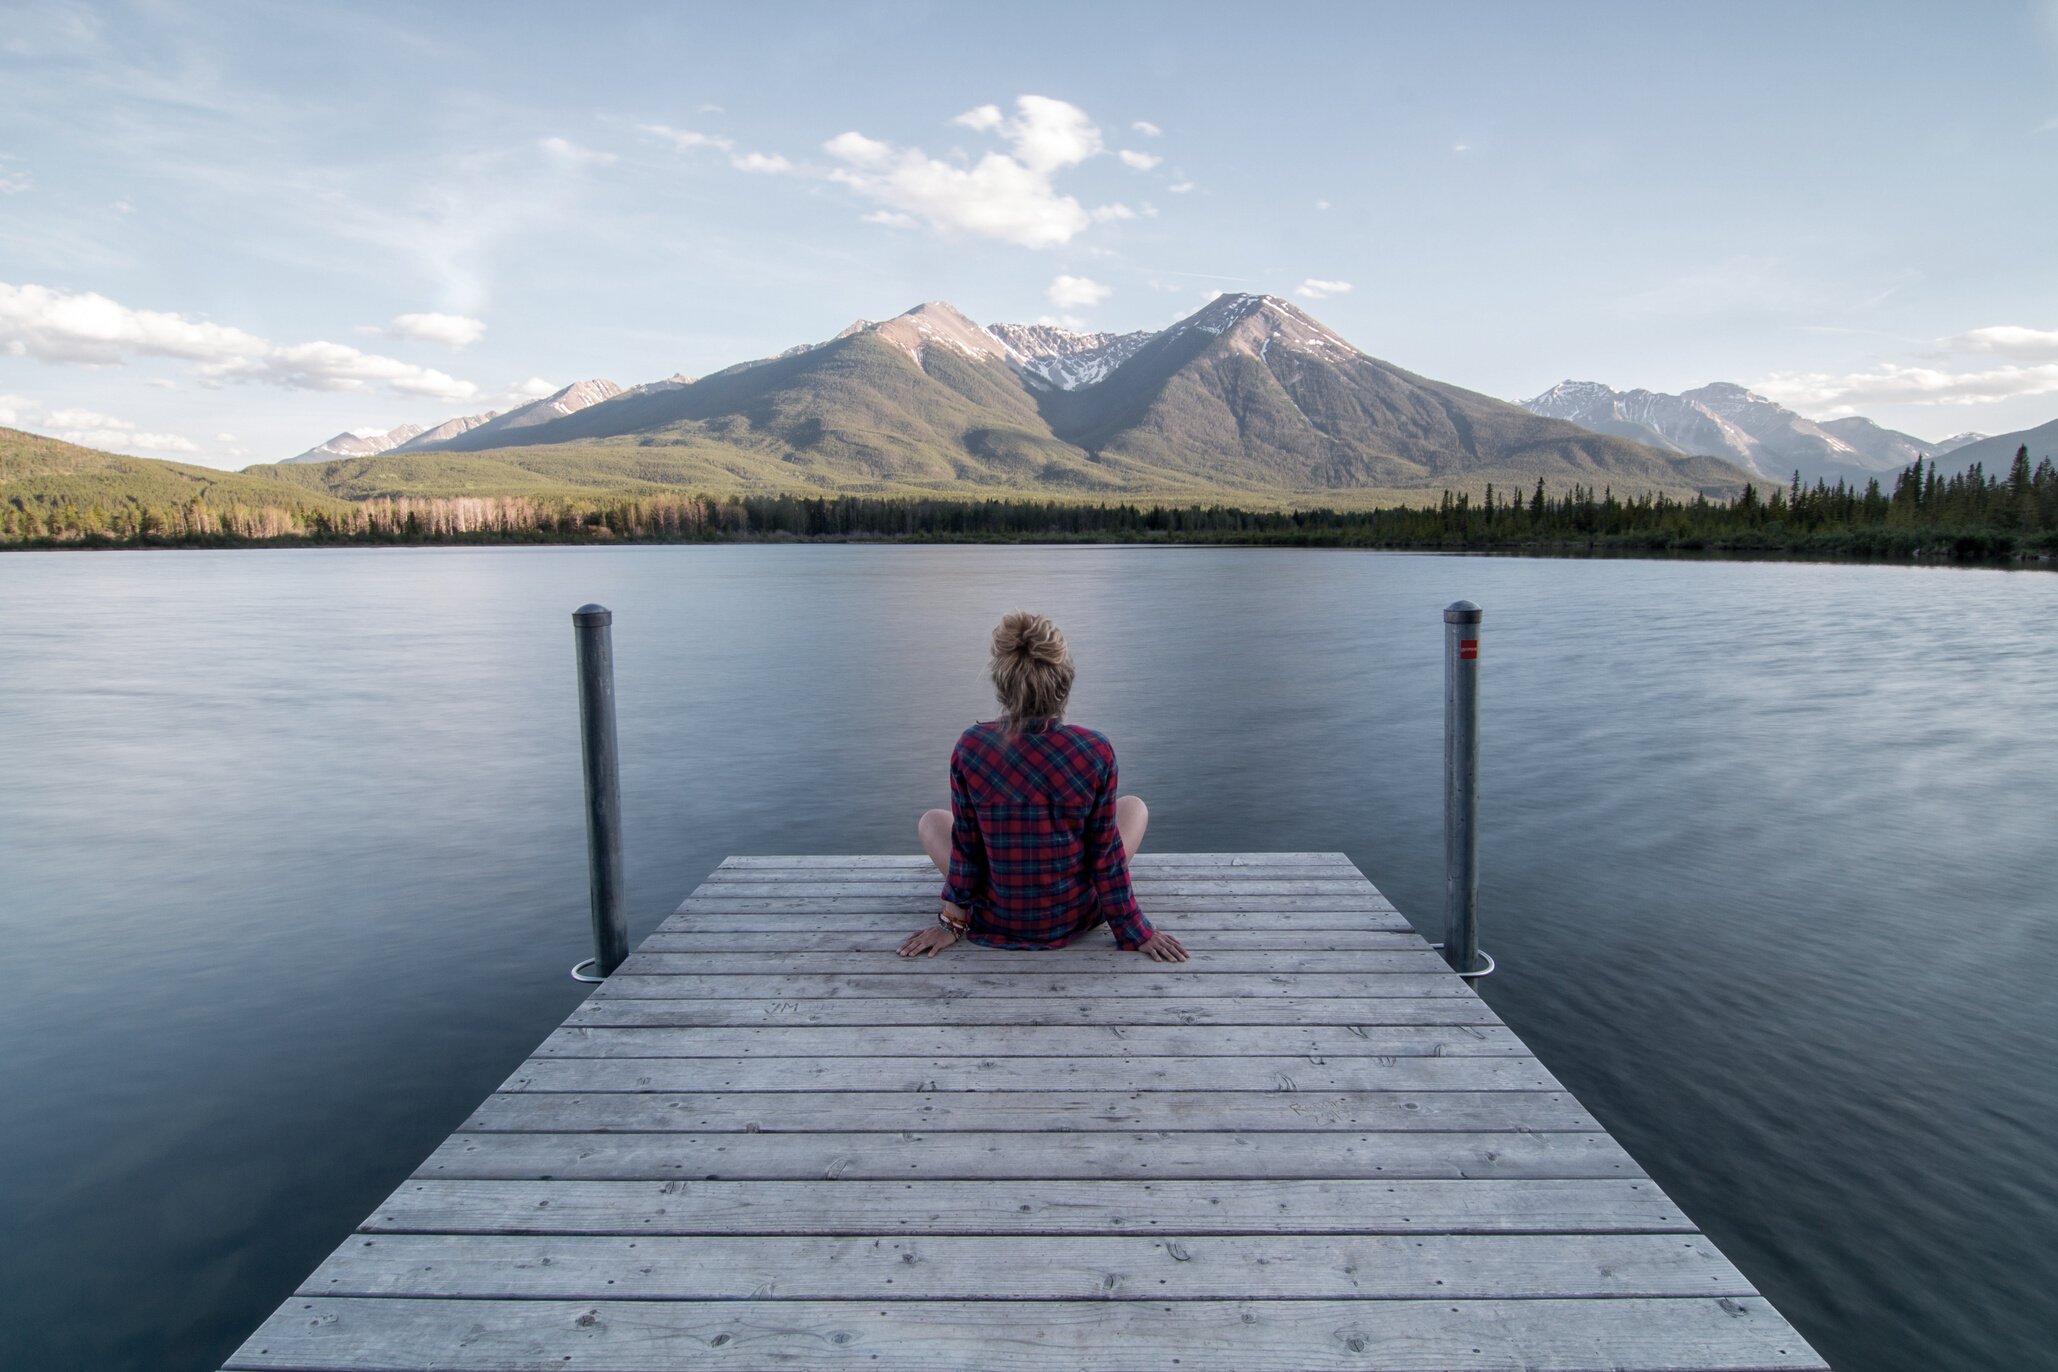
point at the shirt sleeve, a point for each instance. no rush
(1110, 867)
(967, 879)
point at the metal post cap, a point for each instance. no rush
(593, 614)
(1462, 612)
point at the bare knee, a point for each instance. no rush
(933, 824)
(1132, 817)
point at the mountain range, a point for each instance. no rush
(1757, 434)
(1248, 398)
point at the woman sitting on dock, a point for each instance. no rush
(1035, 847)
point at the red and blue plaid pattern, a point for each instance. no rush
(1035, 857)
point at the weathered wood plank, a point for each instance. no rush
(888, 936)
(973, 1156)
(1234, 878)
(1146, 887)
(1041, 1206)
(1151, 979)
(1034, 1041)
(787, 1147)
(907, 915)
(728, 1076)
(1141, 861)
(1686, 1334)
(790, 1112)
(1041, 1010)
(1084, 960)
(1268, 1267)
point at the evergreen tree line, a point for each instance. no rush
(1970, 515)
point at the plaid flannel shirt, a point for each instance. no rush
(1035, 857)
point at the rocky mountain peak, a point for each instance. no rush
(933, 322)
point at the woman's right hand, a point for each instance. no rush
(931, 940)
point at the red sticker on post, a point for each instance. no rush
(1468, 650)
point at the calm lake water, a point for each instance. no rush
(292, 868)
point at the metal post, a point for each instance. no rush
(1461, 786)
(590, 625)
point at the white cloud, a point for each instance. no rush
(564, 150)
(1461, 147)
(450, 330)
(685, 140)
(1313, 289)
(161, 383)
(225, 438)
(89, 329)
(1892, 384)
(91, 429)
(1321, 204)
(1138, 161)
(1180, 187)
(1146, 128)
(321, 366)
(535, 388)
(1077, 293)
(14, 183)
(1936, 379)
(2010, 340)
(1009, 197)
(893, 219)
(1062, 321)
(761, 162)
(14, 409)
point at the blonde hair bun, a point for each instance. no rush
(1031, 667)
(1034, 637)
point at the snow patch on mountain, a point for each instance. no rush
(1060, 359)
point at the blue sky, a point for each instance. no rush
(228, 231)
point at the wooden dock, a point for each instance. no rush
(768, 1142)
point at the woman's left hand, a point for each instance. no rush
(1163, 947)
(931, 940)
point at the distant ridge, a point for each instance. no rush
(1728, 421)
(1247, 398)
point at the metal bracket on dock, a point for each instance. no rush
(1485, 971)
(577, 975)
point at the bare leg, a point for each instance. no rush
(1132, 817)
(934, 830)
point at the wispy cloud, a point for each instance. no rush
(768, 163)
(1947, 377)
(1146, 128)
(2010, 340)
(323, 366)
(449, 330)
(686, 140)
(1077, 292)
(1010, 196)
(572, 154)
(1890, 384)
(1138, 161)
(91, 429)
(1314, 289)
